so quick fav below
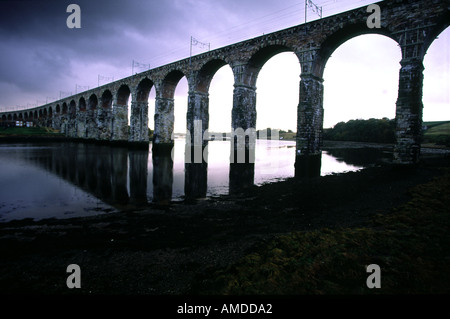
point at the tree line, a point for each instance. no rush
(372, 131)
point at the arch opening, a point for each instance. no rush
(278, 93)
(82, 104)
(339, 38)
(72, 108)
(370, 63)
(144, 93)
(104, 117)
(170, 84)
(258, 60)
(221, 100)
(174, 87)
(106, 100)
(207, 73)
(436, 82)
(92, 102)
(180, 105)
(123, 95)
(143, 90)
(140, 111)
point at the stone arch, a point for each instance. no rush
(82, 104)
(371, 64)
(64, 108)
(3, 117)
(25, 116)
(20, 116)
(35, 115)
(44, 113)
(198, 103)
(58, 109)
(104, 116)
(50, 117)
(278, 92)
(442, 24)
(92, 102)
(206, 74)
(123, 94)
(91, 125)
(139, 111)
(335, 40)
(143, 90)
(71, 123)
(30, 115)
(169, 84)
(120, 114)
(10, 117)
(40, 114)
(72, 108)
(244, 97)
(257, 61)
(80, 121)
(106, 99)
(220, 98)
(164, 108)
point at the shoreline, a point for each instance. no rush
(173, 249)
(427, 149)
(63, 139)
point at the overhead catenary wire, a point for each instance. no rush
(274, 21)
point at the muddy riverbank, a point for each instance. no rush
(164, 250)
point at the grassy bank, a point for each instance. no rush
(411, 245)
(437, 133)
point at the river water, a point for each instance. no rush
(61, 180)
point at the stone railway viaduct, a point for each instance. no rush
(102, 113)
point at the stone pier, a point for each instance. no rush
(309, 127)
(92, 114)
(409, 112)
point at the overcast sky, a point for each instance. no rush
(41, 57)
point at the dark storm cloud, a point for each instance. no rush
(36, 43)
(40, 54)
(40, 19)
(103, 22)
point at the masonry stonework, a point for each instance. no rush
(414, 25)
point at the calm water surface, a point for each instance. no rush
(63, 180)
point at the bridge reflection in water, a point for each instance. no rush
(120, 177)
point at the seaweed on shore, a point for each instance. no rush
(411, 245)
